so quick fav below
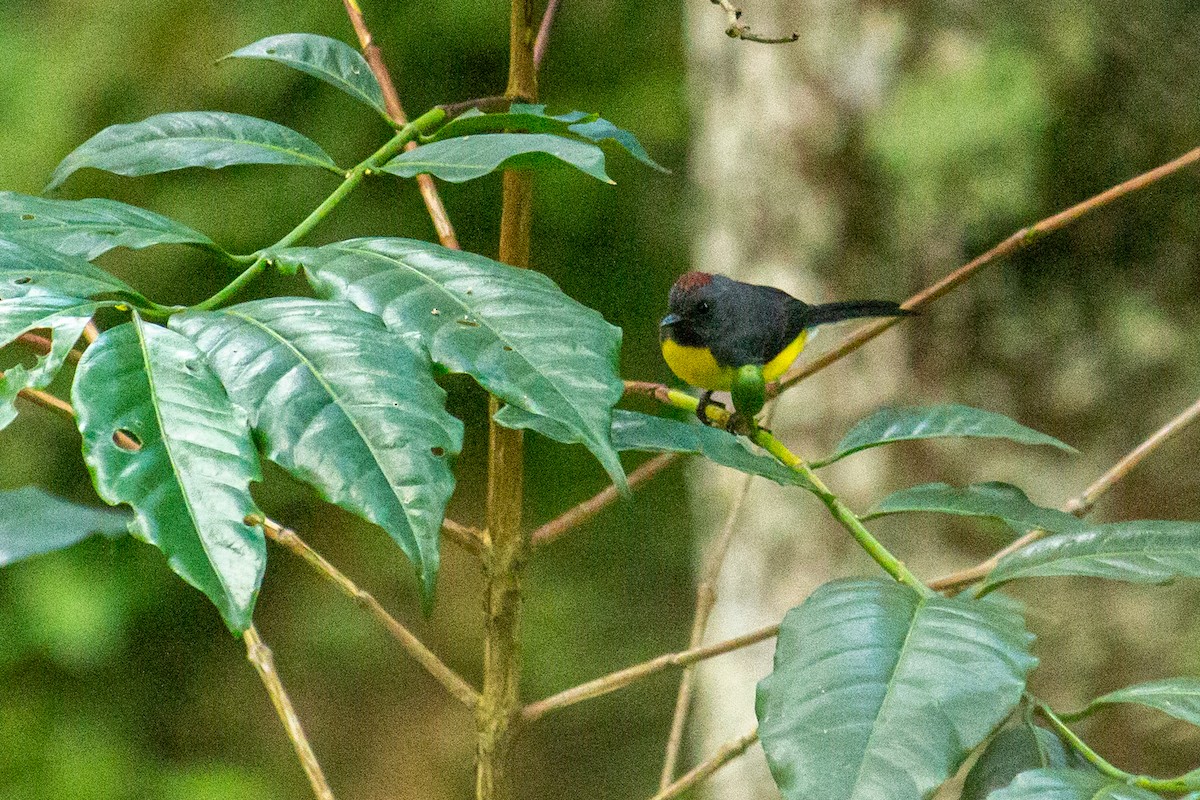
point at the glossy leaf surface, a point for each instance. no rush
(343, 404)
(89, 228)
(27, 268)
(931, 422)
(1145, 551)
(1179, 697)
(211, 139)
(189, 480)
(330, 60)
(512, 329)
(468, 157)
(879, 693)
(1001, 501)
(33, 522)
(1068, 784)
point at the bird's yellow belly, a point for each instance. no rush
(697, 367)
(778, 365)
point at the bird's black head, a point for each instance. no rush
(695, 306)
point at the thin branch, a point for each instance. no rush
(260, 656)
(723, 756)
(492, 103)
(454, 684)
(466, 537)
(90, 333)
(391, 101)
(624, 677)
(1079, 506)
(736, 29)
(543, 35)
(594, 505)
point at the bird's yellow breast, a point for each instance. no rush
(778, 365)
(696, 366)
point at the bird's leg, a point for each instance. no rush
(702, 409)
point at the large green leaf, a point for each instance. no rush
(468, 157)
(211, 139)
(330, 60)
(1179, 697)
(512, 329)
(27, 268)
(65, 319)
(33, 522)
(879, 693)
(1145, 551)
(88, 228)
(1069, 784)
(189, 481)
(929, 422)
(1011, 752)
(1001, 501)
(344, 404)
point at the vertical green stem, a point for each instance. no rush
(508, 544)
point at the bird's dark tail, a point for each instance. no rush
(853, 309)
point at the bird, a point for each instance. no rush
(725, 335)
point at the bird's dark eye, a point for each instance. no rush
(703, 307)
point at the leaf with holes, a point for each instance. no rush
(512, 329)
(1179, 697)
(330, 60)
(29, 269)
(33, 522)
(211, 139)
(89, 228)
(64, 318)
(1011, 752)
(470, 157)
(344, 404)
(1145, 551)
(188, 480)
(1069, 784)
(930, 422)
(1001, 501)
(879, 693)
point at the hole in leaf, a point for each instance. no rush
(438, 451)
(27, 217)
(127, 440)
(21, 281)
(470, 323)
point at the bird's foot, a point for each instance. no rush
(742, 425)
(702, 409)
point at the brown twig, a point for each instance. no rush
(736, 29)
(594, 505)
(466, 537)
(499, 102)
(391, 101)
(624, 677)
(1079, 506)
(728, 752)
(453, 683)
(543, 35)
(260, 656)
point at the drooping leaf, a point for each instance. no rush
(211, 139)
(27, 269)
(1001, 501)
(64, 317)
(33, 522)
(1011, 752)
(468, 157)
(330, 60)
(1145, 551)
(929, 422)
(879, 693)
(1069, 784)
(599, 130)
(343, 404)
(188, 481)
(1179, 697)
(512, 329)
(89, 228)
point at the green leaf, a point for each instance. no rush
(343, 404)
(189, 480)
(33, 522)
(1001, 501)
(1069, 784)
(28, 269)
(469, 157)
(1145, 551)
(512, 329)
(599, 130)
(1011, 752)
(211, 139)
(88, 228)
(879, 693)
(330, 60)
(929, 422)
(1179, 697)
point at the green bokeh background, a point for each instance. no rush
(119, 681)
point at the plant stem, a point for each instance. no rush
(238, 283)
(723, 756)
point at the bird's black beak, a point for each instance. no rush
(669, 319)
